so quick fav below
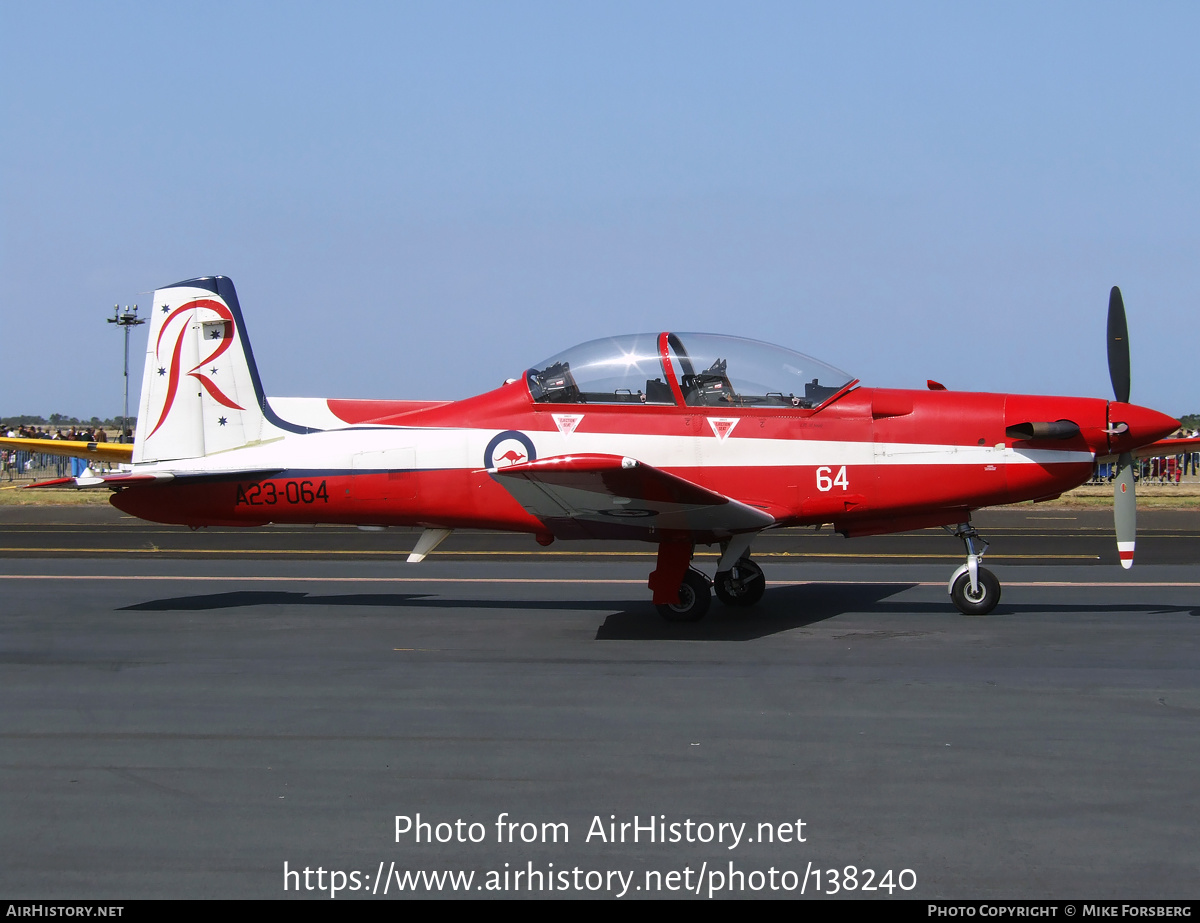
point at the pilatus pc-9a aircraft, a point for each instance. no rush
(678, 439)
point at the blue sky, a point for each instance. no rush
(417, 200)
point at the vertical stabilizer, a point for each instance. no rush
(200, 389)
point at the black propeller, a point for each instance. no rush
(1124, 499)
(1118, 346)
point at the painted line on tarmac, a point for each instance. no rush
(806, 534)
(272, 579)
(391, 552)
(343, 531)
(160, 578)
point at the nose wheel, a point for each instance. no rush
(973, 589)
(980, 599)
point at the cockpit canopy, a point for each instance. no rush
(692, 369)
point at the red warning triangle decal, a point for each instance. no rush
(722, 426)
(566, 422)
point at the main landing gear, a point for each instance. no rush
(694, 599)
(741, 585)
(974, 589)
(683, 594)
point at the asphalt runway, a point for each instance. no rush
(209, 714)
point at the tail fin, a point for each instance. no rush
(201, 392)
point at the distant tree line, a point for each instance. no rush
(59, 421)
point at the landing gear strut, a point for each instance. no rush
(974, 589)
(681, 593)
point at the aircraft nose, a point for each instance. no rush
(1145, 425)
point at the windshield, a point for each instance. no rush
(702, 370)
(615, 370)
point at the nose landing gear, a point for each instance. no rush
(974, 589)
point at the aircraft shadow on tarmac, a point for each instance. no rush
(248, 598)
(782, 609)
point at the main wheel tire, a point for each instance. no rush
(749, 588)
(694, 598)
(981, 602)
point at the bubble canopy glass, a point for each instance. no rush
(692, 369)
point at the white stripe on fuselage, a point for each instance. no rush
(464, 449)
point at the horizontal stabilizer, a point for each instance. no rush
(118, 479)
(608, 496)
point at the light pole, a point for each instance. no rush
(125, 320)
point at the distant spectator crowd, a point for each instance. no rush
(16, 463)
(1167, 469)
(72, 435)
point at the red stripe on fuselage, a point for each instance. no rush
(357, 412)
(937, 417)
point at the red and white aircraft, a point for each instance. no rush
(673, 438)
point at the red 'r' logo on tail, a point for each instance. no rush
(226, 340)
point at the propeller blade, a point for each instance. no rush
(1125, 509)
(1118, 346)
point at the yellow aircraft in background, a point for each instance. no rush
(116, 452)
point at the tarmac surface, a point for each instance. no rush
(209, 714)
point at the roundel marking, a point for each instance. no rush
(509, 448)
(628, 513)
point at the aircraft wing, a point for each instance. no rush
(119, 452)
(1161, 449)
(607, 496)
(1165, 447)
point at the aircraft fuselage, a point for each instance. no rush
(874, 460)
